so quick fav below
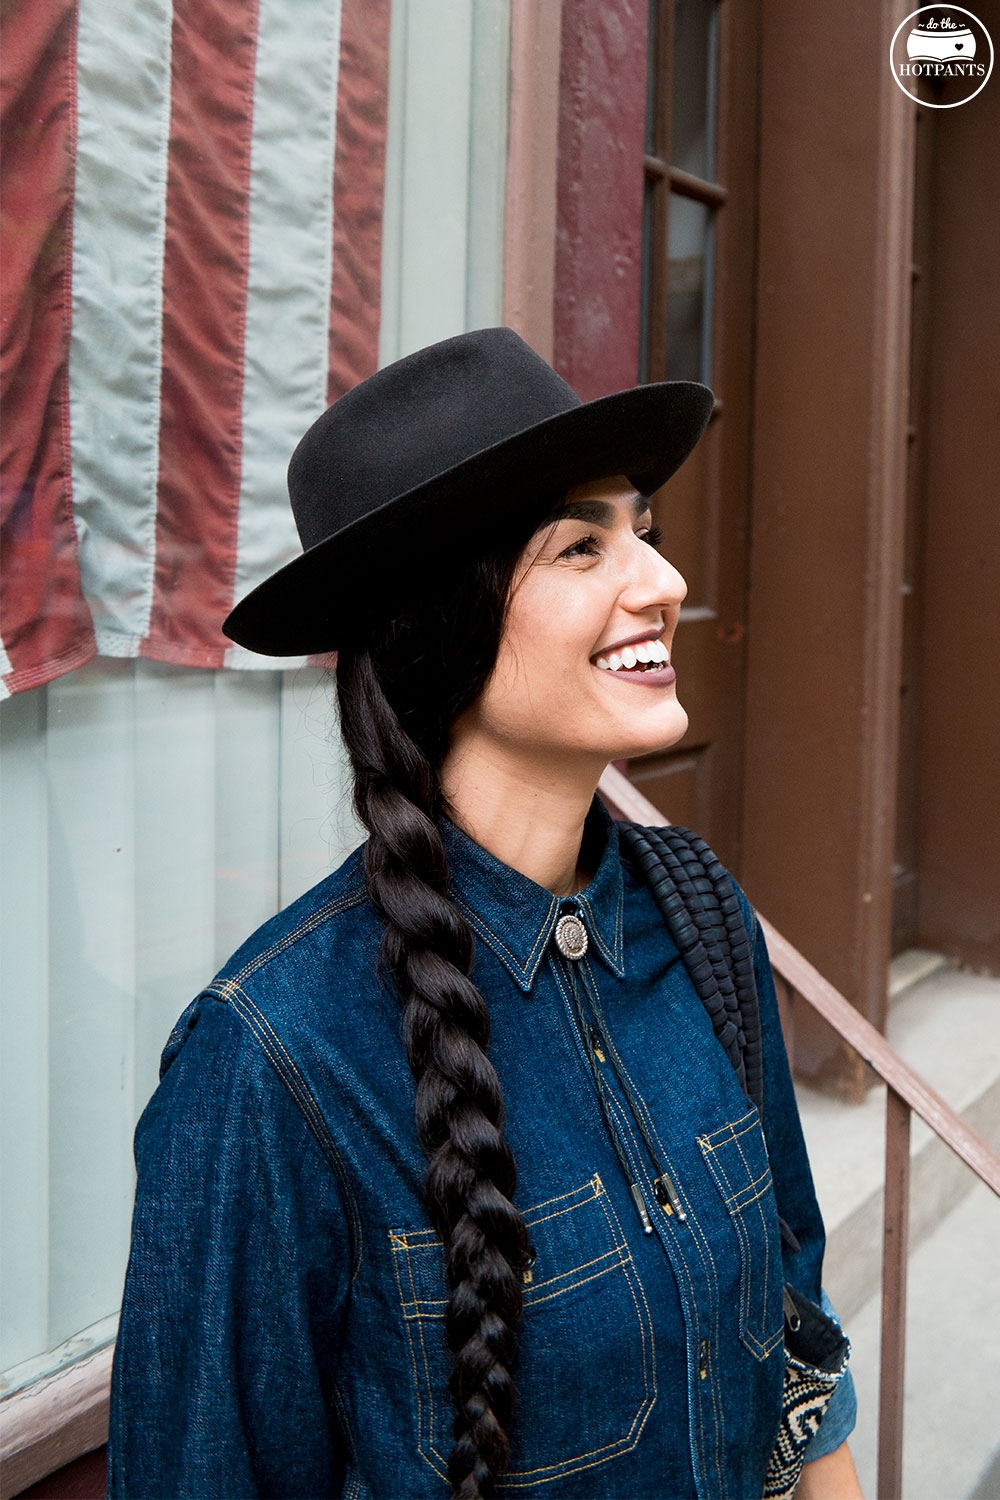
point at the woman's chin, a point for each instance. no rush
(652, 739)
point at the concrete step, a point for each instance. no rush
(951, 1429)
(946, 1025)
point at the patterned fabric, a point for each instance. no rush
(806, 1396)
(810, 1381)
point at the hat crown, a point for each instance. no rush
(415, 419)
(436, 456)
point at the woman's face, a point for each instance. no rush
(581, 669)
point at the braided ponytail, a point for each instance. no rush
(399, 692)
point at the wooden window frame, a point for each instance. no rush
(662, 179)
(54, 1421)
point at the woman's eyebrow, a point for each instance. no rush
(598, 512)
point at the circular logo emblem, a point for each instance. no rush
(571, 936)
(941, 56)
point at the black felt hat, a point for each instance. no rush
(424, 458)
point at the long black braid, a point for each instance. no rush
(399, 691)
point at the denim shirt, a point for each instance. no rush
(282, 1327)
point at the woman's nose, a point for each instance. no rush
(653, 581)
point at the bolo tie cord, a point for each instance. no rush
(666, 1193)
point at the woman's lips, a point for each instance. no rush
(656, 677)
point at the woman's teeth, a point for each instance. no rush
(647, 655)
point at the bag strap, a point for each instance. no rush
(698, 900)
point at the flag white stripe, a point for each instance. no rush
(5, 667)
(123, 114)
(286, 350)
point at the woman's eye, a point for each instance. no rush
(587, 546)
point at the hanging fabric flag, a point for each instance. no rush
(192, 204)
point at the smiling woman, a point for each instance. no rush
(562, 699)
(448, 1180)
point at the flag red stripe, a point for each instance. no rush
(44, 621)
(358, 182)
(204, 292)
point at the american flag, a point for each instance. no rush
(192, 206)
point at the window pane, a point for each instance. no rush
(152, 816)
(689, 282)
(692, 127)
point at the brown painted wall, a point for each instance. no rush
(86, 1478)
(600, 187)
(959, 759)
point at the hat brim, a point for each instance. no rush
(311, 604)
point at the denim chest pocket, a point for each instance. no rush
(585, 1316)
(736, 1156)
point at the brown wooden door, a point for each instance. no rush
(698, 300)
(956, 840)
(905, 863)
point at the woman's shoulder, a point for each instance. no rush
(327, 913)
(299, 973)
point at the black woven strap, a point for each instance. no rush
(696, 895)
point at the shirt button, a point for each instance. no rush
(571, 936)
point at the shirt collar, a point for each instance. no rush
(516, 917)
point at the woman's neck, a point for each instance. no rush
(529, 814)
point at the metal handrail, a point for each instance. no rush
(906, 1092)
